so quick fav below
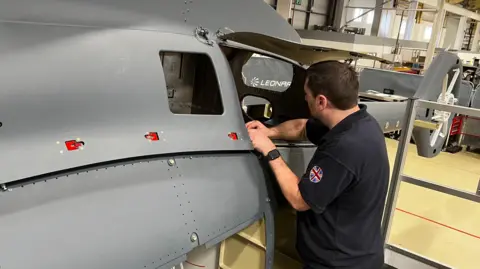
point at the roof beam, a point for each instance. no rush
(462, 11)
(449, 7)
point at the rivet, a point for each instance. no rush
(4, 188)
(171, 162)
(194, 237)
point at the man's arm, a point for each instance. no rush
(325, 179)
(288, 182)
(293, 130)
(290, 130)
(322, 183)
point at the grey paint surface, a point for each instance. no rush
(297, 157)
(404, 84)
(389, 115)
(360, 39)
(476, 99)
(90, 70)
(170, 16)
(471, 126)
(429, 89)
(138, 215)
(105, 87)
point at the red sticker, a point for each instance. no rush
(152, 136)
(233, 136)
(74, 144)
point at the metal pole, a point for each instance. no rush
(397, 42)
(307, 17)
(399, 9)
(410, 20)
(377, 18)
(363, 14)
(478, 188)
(402, 149)
(436, 29)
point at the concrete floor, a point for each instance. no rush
(436, 225)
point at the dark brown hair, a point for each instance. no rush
(337, 81)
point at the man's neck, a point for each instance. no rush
(340, 115)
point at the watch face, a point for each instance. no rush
(272, 155)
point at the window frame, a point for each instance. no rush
(217, 77)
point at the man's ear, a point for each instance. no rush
(321, 101)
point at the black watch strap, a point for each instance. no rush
(273, 154)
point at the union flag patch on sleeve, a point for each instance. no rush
(316, 174)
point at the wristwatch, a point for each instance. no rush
(272, 155)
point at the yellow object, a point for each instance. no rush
(267, 113)
(401, 68)
(426, 124)
(246, 249)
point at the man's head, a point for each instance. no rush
(331, 88)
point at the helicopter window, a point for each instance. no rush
(257, 108)
(267, 73)
(192, 85)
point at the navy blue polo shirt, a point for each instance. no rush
(345, 185)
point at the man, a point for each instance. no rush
(341, 196)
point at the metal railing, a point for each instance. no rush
(397, 173)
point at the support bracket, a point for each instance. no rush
(201, 34)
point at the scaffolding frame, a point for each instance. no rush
(398, 177)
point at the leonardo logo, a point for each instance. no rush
(255, 81)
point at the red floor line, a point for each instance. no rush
(201, 266)
(438, 223)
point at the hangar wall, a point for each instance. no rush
(303, 13)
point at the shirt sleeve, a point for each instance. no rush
(324, 181)
(315, 130)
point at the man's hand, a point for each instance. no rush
(260, 141)
(256, 125)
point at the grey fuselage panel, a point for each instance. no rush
(91, 72)
(104, 87)
(168, 16)
(132, 215)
